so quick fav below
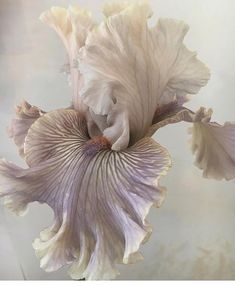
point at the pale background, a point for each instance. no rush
(194, 230)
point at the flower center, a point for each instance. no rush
(96, 144)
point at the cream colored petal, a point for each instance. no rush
(131, 70)
(58, 19)
(114, 7)
(100, 197)
(26, 114)
(72, 25)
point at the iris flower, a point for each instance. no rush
(95, 163)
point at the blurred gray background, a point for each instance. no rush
(194, 230)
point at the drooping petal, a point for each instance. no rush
(130, 70)
(212, 143)
(173, 113)
(100, 197)
(72, 25)
(214, 147)
(26, 114)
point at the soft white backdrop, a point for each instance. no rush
(194, 230)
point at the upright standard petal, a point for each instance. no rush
(130, 70)
(72, 25)
(100, 197)
(26, 115)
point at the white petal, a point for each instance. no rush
(214, 147)
(26, 114)
(100, 197)
(72, 25)
(182, 72)
(130, 69)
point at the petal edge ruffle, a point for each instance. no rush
(26, 115)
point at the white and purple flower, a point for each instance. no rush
(95, 163)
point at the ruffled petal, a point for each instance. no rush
(214, 147)
(114, 7)
(181, 72)
(212, 143)
(26, 114)
(130, 70)
(72, 25)
(100, 197)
